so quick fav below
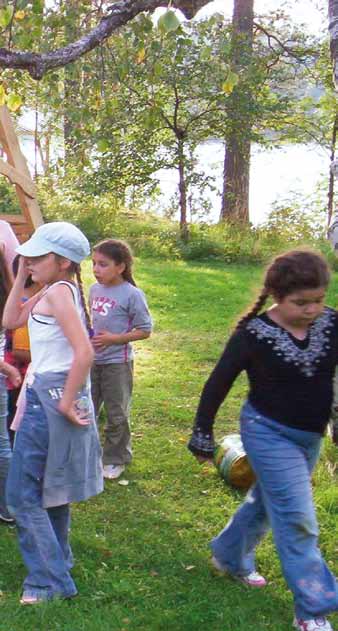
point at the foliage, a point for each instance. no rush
(152, 236)
(9, 204)
(141, 550)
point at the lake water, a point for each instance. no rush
(276, 175)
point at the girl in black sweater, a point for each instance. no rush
(289, 353)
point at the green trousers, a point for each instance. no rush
(112, 386)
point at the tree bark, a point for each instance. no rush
(236, 171)
(37, 64)
(71, 85)
(330, 194)
(182, 187)
(333, 31)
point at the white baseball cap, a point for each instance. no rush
(59, 237)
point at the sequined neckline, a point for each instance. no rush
(284, 345)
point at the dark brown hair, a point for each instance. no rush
(119, 252)
(5, 283)
(290, 272)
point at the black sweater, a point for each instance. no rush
(290, 379)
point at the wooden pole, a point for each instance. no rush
(16, 170)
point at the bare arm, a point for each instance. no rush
(105, 338)
(11, 373)
(15, 313)
(61, 304)
(22, 356)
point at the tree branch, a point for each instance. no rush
(119, 13)
(291, 51)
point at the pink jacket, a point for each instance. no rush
(8, 242)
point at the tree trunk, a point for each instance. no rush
(71, 86)
(236, 172)
(236, 180)
(333, 30)
(182, 187)
(330, 194)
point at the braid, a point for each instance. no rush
(83, 300)
(255, 309)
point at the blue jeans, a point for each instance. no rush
(5, 448)
(283, 459)
(42, 533)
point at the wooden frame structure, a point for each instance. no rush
(16, 170)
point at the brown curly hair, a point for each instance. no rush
(290, 272)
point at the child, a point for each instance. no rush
(289, 353)
(6, 370)
(17, 350)
(120, 316)
(56, 457)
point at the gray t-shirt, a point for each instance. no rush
(118, 309)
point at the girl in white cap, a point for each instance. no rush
(57, 455)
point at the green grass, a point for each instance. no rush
(142, 550)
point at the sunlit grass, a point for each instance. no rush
(142, 550)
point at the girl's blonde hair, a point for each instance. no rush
(75, 269)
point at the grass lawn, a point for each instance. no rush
(142, 549)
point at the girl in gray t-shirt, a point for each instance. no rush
(120, 316)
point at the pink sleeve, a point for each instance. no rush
(9, 241)
(21, 403)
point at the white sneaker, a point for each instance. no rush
(6, 518)
(253, 579)
(113, 471)
(315, 624)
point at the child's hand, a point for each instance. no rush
(13, 375)
(103, 339)
(73, 415)
(23, 272)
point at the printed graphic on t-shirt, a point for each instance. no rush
(102, 305)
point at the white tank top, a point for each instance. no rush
(50, 349)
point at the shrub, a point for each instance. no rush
(152, 236)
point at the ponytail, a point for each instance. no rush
(127, 275)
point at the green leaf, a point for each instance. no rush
(2, 95)
(6, 15)
(168, 22)
(230, 82)
(38, 6)
(103, 145)
(14, 102)
(205, 54)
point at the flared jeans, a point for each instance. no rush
(283, 459)
(42, 533)
(5, 447)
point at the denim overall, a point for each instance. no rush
(54, 463)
